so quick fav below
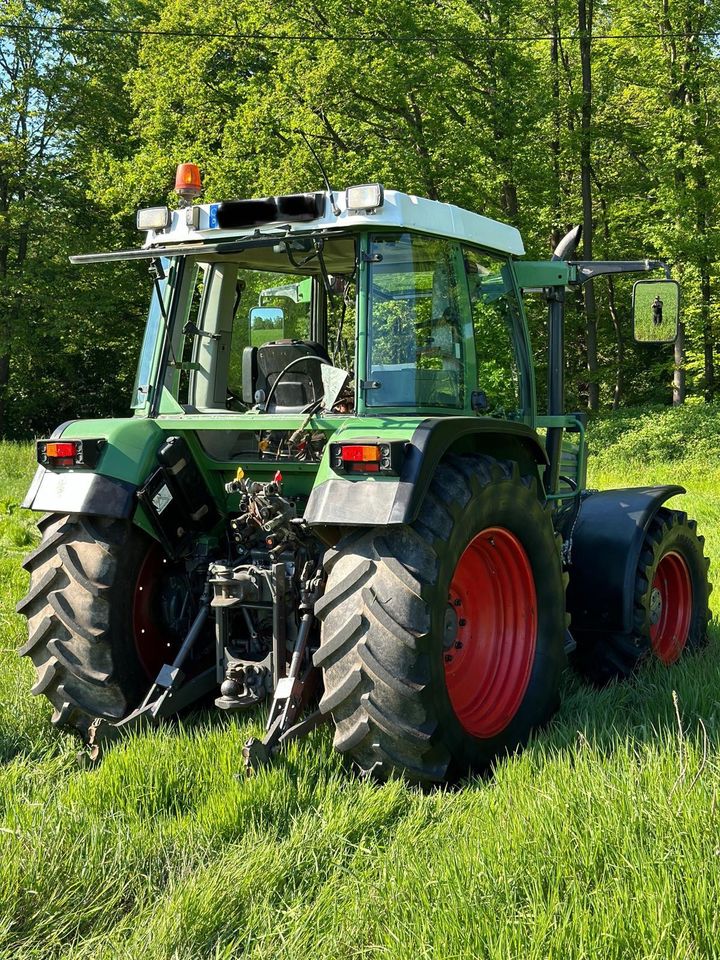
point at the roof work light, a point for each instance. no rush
(364, 196)
(153, 218)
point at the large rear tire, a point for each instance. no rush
(670, 604)
(442, 642)
(91, 631)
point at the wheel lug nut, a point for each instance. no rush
(458, 644)
(461, 622)
(448, 657)
(457, 602)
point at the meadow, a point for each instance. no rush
(601, 840)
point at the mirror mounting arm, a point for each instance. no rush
(589, 269)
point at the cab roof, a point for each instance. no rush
(399, 211)
(196, 228)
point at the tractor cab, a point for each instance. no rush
(414, 299)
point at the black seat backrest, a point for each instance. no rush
(301, 385)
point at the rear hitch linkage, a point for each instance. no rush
(294, 690)
(167, 696)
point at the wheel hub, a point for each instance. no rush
(671, 598)
(655, 606)
(450, 628)
(490, 631)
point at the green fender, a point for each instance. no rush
(109, 488)
(340, 500)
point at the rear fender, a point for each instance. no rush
(362, 501)
(109, 489)
(604, 546)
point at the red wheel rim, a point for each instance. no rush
(151, 639)
(670, 607)
(490, 632)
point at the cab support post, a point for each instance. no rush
(555, 297)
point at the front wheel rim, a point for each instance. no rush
(670, 607)
(490, 632)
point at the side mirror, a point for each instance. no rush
(656, 310)
(266, 323)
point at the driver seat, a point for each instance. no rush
(300, 386)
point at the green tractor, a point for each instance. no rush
(336, 495)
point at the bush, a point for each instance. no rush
(657, 435)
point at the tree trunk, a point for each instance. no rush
(679, 374)
(555, 88)
(585, 21)
(708, 352)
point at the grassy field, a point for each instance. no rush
(602, 840)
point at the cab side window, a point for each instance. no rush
(495, 317)
(417, 323)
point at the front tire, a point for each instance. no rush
(670, 604)
(390, 622)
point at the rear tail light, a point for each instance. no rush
(367, 457)
(69, 453)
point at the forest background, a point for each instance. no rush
(539, 114)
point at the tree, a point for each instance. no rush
(59, 326)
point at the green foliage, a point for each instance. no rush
(68, 337)
(456, 101)
(660, 435)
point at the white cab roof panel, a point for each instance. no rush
(400, 211)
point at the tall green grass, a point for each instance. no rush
(602, 840)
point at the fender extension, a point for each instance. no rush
(397, 500)
(80, 492)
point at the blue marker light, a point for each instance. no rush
(213, 215)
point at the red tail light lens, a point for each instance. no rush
(360, 453)
(64, 449)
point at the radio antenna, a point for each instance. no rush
(331, 195)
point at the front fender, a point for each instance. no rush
(605, 546)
